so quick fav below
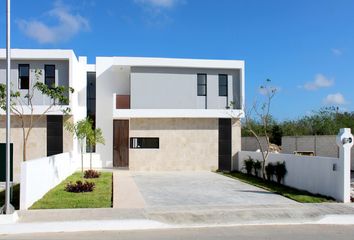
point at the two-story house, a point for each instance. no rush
(169, 114)
(48, 137)
(155, 113)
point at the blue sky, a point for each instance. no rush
(305, 47)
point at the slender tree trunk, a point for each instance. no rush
(24, 149)
(82, 157)
(24, 153)
(90, 157)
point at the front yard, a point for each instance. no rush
(292, 193)
(58, 198)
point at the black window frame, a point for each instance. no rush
(47, 78)
(144, 143)
(22, 78)
(205, 85)
(226, 85)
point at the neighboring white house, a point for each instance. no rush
(48, 136)
(155, 113)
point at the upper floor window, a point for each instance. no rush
(202, 84)
(223, 85)
(23, 76)
(49, 75)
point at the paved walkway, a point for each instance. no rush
(125, 193)
(186, 189)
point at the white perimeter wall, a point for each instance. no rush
(40, 175)
(314, 174)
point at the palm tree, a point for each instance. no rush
(95, 136)
(81, 130)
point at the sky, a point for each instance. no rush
(306, 48)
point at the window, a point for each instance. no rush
(91, 102)
(202, 84)
(223, 85)
(144, 143)
(49, 75)
(23, 76)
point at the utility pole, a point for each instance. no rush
(8, 208)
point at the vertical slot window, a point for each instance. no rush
(202, 84)
(223, 88)
(23, 76)
(49, 75)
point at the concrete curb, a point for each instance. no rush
(144, 224)
(9, 218)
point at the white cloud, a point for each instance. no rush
(320, 81)
(158, 3)
(67, 26)
(335, 99)
(336, 51)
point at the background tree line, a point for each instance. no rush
(325, 121)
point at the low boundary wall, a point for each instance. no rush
(318, 175)
(40, 175)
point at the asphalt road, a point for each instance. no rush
(292, 232)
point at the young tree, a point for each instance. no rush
(262, 112)
(95, 136)
(81, 130)
(22, 105)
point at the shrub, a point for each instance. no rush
(91, 174)
(248, 164)
(80, 187)
(257, 166)
(270, 170)
(280, 171)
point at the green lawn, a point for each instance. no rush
(292, 193)
(15, 201)
(100, 197)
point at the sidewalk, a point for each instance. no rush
(74, 220)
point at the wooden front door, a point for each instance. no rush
(121, 143)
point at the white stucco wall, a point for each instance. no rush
(176, 88)
(40, 175)
(314, 174)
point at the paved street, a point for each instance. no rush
(291, 232)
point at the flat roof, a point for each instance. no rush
(38, 54)
(171, 62)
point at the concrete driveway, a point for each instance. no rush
(187, 189)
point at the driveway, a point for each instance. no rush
(188, 189)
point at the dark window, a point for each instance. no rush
(144, 142)
(202, 84)
(23, 76)
(49, 75)
(223, 85)
(54, 134)
(91, 101)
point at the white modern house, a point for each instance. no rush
(59, 67)
(169, 114)
(155, 113)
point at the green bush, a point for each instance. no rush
(270, 170)
(256, 167)
(280, 171)
(248, 164)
